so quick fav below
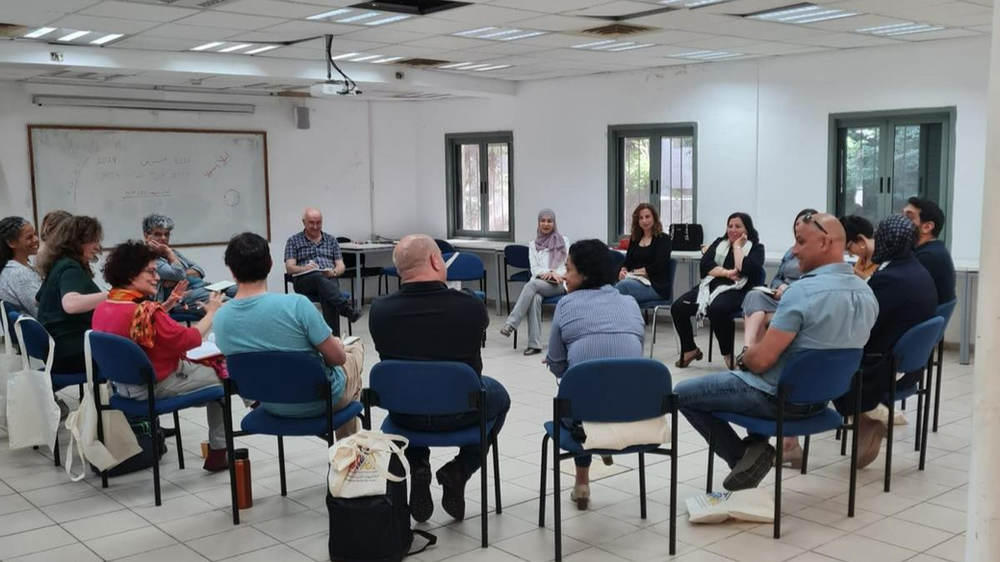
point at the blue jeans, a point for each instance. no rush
(469, 457)
(638, 290)
(697, 398)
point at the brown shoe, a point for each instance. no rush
(870, 435)
(216, 461)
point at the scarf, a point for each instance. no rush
(894, 238)
(705, 295)
(553, 241)
(142, 330)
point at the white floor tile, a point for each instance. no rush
(855, 548)
(129, 542)
(905, 534)
(22, 521)
(37, 540)
(98, 526)
(75, 552)
(230, 543)
(750, 547)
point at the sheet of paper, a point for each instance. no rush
(204, 351)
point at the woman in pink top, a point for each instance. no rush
(131, 312)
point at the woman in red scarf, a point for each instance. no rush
(131, 312)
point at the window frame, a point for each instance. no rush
(946, 116)
(615, 188)
(453, 184)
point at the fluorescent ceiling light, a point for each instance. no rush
(473, 31)
(40, 32)
(594, 44)
(495, 67)
(345, 56)
(359, 17)
(211, 45)
(612, 46)
(107, 38)
(235, 48)
(72, 36)
(132, 103)
(706, 55)
(802, 14)
(455, 65)
(475, 66)
(259, 50)
(494, 33)
(499, 33)
(523, 36)
(691, 3)
(630, 47)
(390, 19)
(389, 59)
(366, 57)
(904, 28)
(329, 14)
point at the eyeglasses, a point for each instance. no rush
(151, 271)
(808, 218)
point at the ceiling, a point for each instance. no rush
(549, 48)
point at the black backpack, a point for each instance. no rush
(143, 431)
(686, 236)
(373, 528)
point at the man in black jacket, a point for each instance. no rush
(931, 252)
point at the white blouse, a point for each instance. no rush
(539, 260)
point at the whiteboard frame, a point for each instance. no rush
(262, 134)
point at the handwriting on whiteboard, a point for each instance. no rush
(220, 162)
(146, 193)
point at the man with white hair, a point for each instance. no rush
(173, 267)
(427, 321)
(314, 260)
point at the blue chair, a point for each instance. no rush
(610, 390)
(617, 259)
(468, 267)
(437, 388)
(122, 361)
(813, 376)
(912, 353)
(8, 316)
(391, 271)
(516, 256)
(345, 294)
(944, 310)
(280, 377)
(35, 340)
(738, 315)
(665, 303)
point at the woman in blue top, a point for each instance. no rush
(593, 321)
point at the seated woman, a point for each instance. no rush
(594, 321)
(50, 222)
(19, 280)
(645, 274)
(68, 295)
(860, 244)
(731, 266)
(547, 256)
(906, 296)
(131, 312)
(759, 306)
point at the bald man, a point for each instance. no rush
(427, 321)
(827, 308)
(314, 260)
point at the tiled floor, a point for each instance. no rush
(44, 516)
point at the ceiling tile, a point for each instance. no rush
(773, 48)
(275, 8)
(554, 40)
(718, 43)
(65, 6)
(464, 56)
(385, 35)
(616, 8)
(109, 25)
(449, 43)
(430, 26)
(513, 48)
(943, 34)
(683, 19)
(411, 51)
(746, 6)
(480, 15)
(339, 45)
(298, 29)
(559, 23)
(152, 43)
(193, 32)
(849, 41)
(762, 30)
(852, 23)
(231, 21)
(547, 6)
(136, 11)
(29, 16)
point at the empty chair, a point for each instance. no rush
(944, 310)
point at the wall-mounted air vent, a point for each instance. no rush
(422, 63)
(617, 29)
(412, 7)
(12, 30)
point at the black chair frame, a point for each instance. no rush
(350, 330)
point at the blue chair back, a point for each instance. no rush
(444, 246)
(425, 388)
(350, 260)
(945, 310)
(616, 390)
(466, 267)
(671, 271)
(36, 338)
(814, 376)
(283, 377)
(915, 346)
(119, 359)
(617, 259)
(8, 316)
(516, 255)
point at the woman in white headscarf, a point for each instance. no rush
(547, 255)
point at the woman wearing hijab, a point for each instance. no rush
(645, 273)
(547, 254)
(906, 297)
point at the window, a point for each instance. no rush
(879, 160)
(653, 164)
(480, 184)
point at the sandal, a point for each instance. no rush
(581, 495)
(506, 331)
(532, 351)
(682, 364)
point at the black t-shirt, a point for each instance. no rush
(427, 321)
(935, 258)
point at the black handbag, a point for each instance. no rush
(144, 435)
(686, 236)
(374, 528)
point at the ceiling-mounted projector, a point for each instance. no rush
(332, 89)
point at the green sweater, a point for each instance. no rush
(67, 276)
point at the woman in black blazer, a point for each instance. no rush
(645, 274)
(731, 266)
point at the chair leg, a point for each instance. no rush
(843, 437)
(889, 434)
(496, 476)
(556, 503)
(937, 383)
(155, 424)
(805, 453)
(673, 480)
(854, 447)
(227, 420)
(711, 457)
(80, 390)
(921, 390)
(177, 436)
(281, 465)
(652, 343)
(778, 467)
(541, 487)
(926, 413)
(55, 451)
(484, 445)
(642, 485)
(711, 338)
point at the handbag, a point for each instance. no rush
(152, 448)
(9, 362)
(686, 237)
(32, 412)
(359, 464)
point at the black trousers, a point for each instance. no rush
(720, 314)
(876, 381)
(325, 291)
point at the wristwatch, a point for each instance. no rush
(739, 361)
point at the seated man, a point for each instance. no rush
(827, 308)
(256, 320)
(931, 252)
(174, 267)
(427, 321)
(313, 259)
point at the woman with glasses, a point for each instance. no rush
(131, 311)
(860, 244)
(731, 266)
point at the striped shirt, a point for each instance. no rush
(594, 324)
(303, 250)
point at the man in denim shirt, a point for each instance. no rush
(828, 308)
(174, 267)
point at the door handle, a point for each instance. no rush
(888, 184)
(880, 184)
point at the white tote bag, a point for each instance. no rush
(119, 443)
(32, 412)
(9, 363)
(359, 464)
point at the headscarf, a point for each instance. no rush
(894, 238)
(553, 241)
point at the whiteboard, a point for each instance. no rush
(213, 184)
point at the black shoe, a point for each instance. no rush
(452, 480)
(421, 504)
(352, 314)
(532, 351)
(169, 431)
(752, 468)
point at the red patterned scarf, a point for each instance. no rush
(142, 330)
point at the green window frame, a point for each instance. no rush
(480, 185)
